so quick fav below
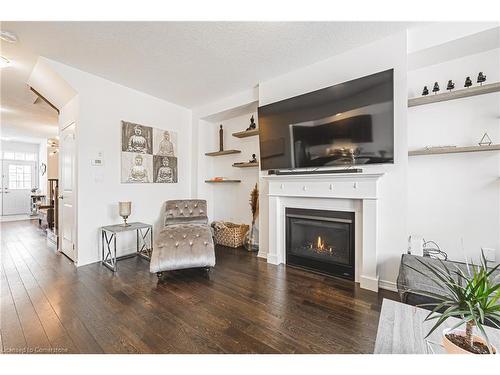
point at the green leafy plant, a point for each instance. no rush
(472, 296)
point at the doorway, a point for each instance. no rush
(18, 178)
(67, 221)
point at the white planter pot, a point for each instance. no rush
(451, 348)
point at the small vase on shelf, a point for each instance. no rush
(221, 138)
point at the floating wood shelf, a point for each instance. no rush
(453, 150)
(225, 152)
(462, 93)
(246, 133)
(245, 165)
(221, 181)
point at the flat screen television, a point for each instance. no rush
(351, 123)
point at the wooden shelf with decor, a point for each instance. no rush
(221, 181)
(453, 150)
(220, 153)
(462, 93)
(245, 165)
(246, 133)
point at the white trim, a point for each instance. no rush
(262, 254)
(350, 192)
(368, 282)
(272, 259)
(327, 176)
(388, 285)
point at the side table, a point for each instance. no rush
(108, 242)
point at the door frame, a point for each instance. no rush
(4, 173)
(75, 191)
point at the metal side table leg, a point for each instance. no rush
(109, 260)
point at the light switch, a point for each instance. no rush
(98, 161)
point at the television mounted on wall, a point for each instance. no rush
(350, 123)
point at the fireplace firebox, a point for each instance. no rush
(321, 240)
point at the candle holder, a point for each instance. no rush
(125, 209)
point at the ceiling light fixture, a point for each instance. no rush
(4, 62)
(8, 36)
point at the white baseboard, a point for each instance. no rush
(388, 285)
(262, 255)
(272, 259)
(370, 283)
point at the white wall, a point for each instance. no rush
(378, 56)
(456, 196)
(102, 105)
(203, 166)
(52, 162)
(42, 158)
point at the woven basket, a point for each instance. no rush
(231, 234)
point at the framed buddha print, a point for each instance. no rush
(148, 155)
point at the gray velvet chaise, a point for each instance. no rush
(185, 240)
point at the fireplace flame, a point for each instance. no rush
(320, 244)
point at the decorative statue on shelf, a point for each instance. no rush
(253, 125)
(468, 82)
(486, 140)
(425, 91)
(481, 78)
(253, 159)
(221, 139)
(435, 89)
(450, 86)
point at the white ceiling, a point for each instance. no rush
(194, 63)
(20, 117)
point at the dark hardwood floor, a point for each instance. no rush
(243, 306)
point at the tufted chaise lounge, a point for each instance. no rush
(186, 240)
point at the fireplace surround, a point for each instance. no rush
(350, 192)
(321, 240)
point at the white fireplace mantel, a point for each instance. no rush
(355, 192)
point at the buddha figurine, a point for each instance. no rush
(481, 78)
(435, 89)
(450, 85)
(252, 125)
(425, 91)
(468, 82)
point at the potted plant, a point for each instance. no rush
(472, 296)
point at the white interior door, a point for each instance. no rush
(18, 178)
(67, 222)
